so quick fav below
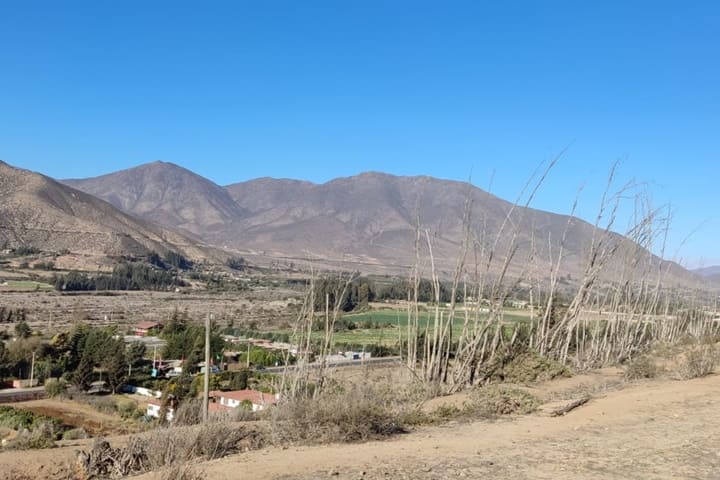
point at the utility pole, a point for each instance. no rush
(206, 385)
(32, 369)
(247, 359)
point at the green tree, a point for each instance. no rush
(116, 366)
(82, 378)
(4, 367)
(239, 380)
(136, 353)
(22, 329)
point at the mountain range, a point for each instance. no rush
(369, 221)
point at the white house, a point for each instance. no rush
(235, 398)
(153, 410)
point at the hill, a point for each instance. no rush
(41, 212)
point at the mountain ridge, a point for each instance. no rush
(40, 211)
(369, 218)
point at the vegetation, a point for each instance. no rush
(363, 412)
(698, 361)
(641, 367)
(164, 447)
(34, 431)
(236, 263)
(125, 276)
(496, 400)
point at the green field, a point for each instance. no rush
(27, 285)
(389, 326)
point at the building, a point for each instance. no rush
(143, 329)
(254, 399)
(154, 406)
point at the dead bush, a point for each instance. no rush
(189, 412)
(182, 472)
(520, 365)
(165, 447)
(360, 413)
(529, 367)
(640, 368)
(697, 362)
(494, 400)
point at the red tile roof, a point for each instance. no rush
(257, 398)
(216, 407)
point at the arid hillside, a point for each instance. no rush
(369, 220)
(40, 212)
(167, 194)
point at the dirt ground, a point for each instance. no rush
(76, 414)
(52, 311)
(660, 429)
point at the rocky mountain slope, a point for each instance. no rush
(368, 220)
(38, 211)
(167, 194)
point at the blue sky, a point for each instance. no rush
(315, 90)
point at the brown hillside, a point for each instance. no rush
(36, 210)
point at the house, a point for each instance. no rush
(154, 406)
(254, 399)
(519, 304)
(146, 328)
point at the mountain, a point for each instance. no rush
(368, 220)
(710, 273)
(39, 211)
(167, 194)
(371, 219)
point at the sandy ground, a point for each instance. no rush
(662, 429)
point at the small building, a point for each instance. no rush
(153, 409)
(24, 383)
(254, 399)
(143, 329)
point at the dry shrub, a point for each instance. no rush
(182, 472)
(697, 362)
(362, 412)
(41, 436)
(529, 367)
(75, 434)
(640, 368)
(189, 412)
(494, 400)
(164, 447)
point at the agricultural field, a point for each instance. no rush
(388, 327)
(25, 286)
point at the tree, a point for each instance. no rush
(115, 366)
(136, 353)
(22, 329)
(82, 378)
(239, 381)
(4, 367)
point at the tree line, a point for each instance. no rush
(125, 276)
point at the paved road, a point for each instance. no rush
(341, 364)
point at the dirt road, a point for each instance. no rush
(655, 430)
(662, 429)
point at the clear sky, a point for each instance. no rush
(320, 89)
